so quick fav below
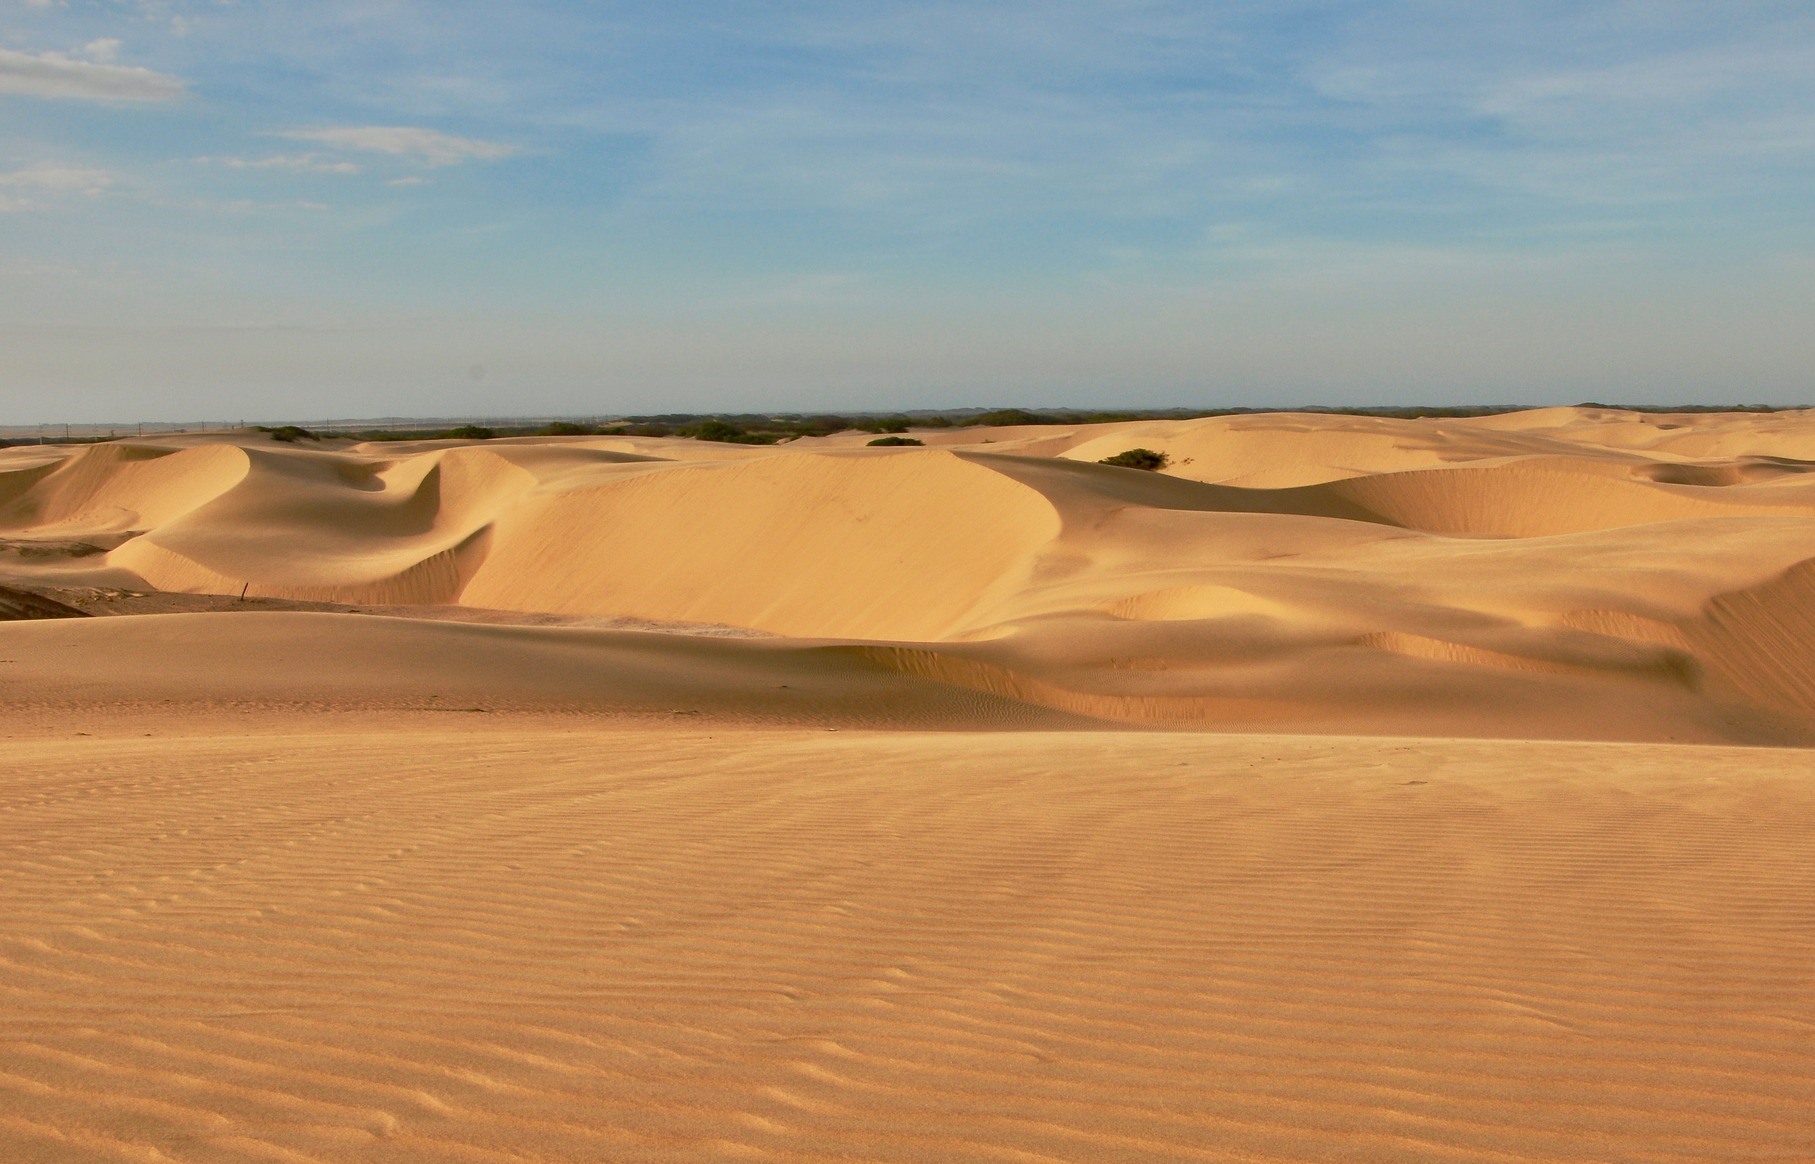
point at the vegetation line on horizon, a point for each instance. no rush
(776, 428)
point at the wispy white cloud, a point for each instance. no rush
(243, 207)
(55, 75)
(28, 189)
(49, 177)
(297, 163)
(429, 146)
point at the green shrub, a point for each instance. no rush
(472, 432)
(289, 432)
(1138, 459)
(567, 428)
(727, 434)
(1008, 416)
(896, 440)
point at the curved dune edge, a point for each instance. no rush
(1676, 667)
(1194, 603)
(1270, 452)
(827, 546)
(1758, 643)
(1520, 501)
(111, 488)
(316, 529)
(434, 580)
(1763, 638)
(1432, 559)
(15, 483)
(993, 679)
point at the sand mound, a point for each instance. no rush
(114, 487)
(1271, 452)
(319, 527)
(1195, 603)
(1501, 576)
(1763, 639)
(289, 661)
(1522, 500)
(1283, 450)
(1693, 436)
(898, 546)
(830, 545)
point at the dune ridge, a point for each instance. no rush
(1532, 554)
(1354, 789)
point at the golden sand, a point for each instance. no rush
(1355, 790)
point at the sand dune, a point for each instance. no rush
(894, 546)
(1503, 575)
(630, 799)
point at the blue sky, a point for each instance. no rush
(261, 209)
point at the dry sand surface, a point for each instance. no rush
(398, 939)
(1563, 573)
(1355, 789)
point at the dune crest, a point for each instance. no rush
(112, 488)
(1477, 576)
(901, 546)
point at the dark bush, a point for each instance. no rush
(1138, 459)
(567, 428)
(472, 432)
(896, 440)
(810, 426)
(289, 432)
(727, 434)
(1007, 416)
(716, 430)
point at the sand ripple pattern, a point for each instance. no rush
(509, 945)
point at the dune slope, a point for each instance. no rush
(1576, 573)
(636, 799)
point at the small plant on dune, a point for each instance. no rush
(1145, 459)
(567, 428)
(896, 440)
(472, 432)
(289, 433)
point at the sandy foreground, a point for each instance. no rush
(1355, 789)
(351, 937)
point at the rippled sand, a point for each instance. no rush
(345, 939)
(1355, 790)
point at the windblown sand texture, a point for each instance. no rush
(1355, 790)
